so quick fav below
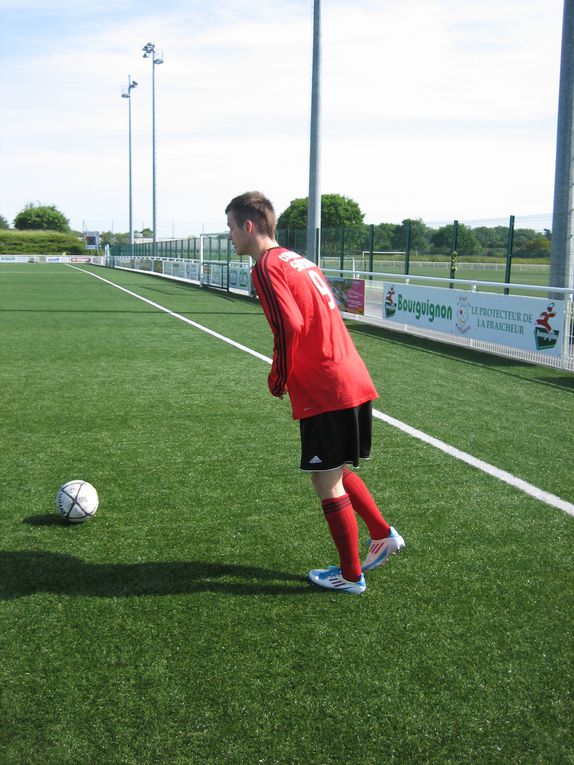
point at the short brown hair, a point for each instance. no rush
(254, 206)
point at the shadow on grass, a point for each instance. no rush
(50, 519)
(24, 573)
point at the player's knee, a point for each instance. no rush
(328, 484)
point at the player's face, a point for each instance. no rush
(238, 235)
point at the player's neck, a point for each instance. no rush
(264, 244)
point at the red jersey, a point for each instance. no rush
(314, 357)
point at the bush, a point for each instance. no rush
(40, 243)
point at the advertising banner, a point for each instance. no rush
(177, 269)
(213, 275)
(529, 323)
(192, 271)
(240, 278)
(348, 293)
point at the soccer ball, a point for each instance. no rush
(77, 501)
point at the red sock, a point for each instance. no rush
(364, 504)
(345, 533)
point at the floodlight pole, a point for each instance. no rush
(562, 256)
(150, 52)
(314, 205)
(127, 94)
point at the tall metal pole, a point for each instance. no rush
(130, 164)
(154, 176)
(128, 94)
(314, 206)
(562, 258)
(149, 51)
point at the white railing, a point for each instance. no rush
(482, 299)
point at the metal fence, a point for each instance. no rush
(409, 248)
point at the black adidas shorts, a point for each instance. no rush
(334, 439)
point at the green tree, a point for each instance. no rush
(493, 240)
(530, 244)
(295, 216)
(41, 218)
(108, 237)
(420, 235)
(383, 237)
(4, 223)
(467, 242)
(336, 211)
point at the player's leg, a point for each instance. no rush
(341, 520)
(323, 445)
(365, 505)
(359, 435)
(385, 540)
(328, 484)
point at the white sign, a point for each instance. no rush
(530, 323)
(192, 271)
(91, 240)
(240, 278)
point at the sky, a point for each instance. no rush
(432, 109)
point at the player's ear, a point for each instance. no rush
(248, 226)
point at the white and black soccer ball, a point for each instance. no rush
(77, 501)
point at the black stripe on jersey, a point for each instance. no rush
(266, 283)
(277, 321)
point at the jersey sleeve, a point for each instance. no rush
(284, 318)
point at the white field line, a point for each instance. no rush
(228, 340)
(485, 467)
(502, 475)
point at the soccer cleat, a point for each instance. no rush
(380, 550)
(332, 579)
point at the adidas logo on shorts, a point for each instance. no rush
(315, 461)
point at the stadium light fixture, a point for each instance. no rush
(127, 94)
(149, 51)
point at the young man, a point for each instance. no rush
(317, 364)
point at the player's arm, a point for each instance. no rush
(284, 318)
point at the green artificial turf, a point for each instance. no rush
(177, 626)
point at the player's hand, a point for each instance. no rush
(273, 389)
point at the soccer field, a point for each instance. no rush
(476, 272)
(177, 626)
(524, 275)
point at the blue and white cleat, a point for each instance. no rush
(332, 579)
(380, 550)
